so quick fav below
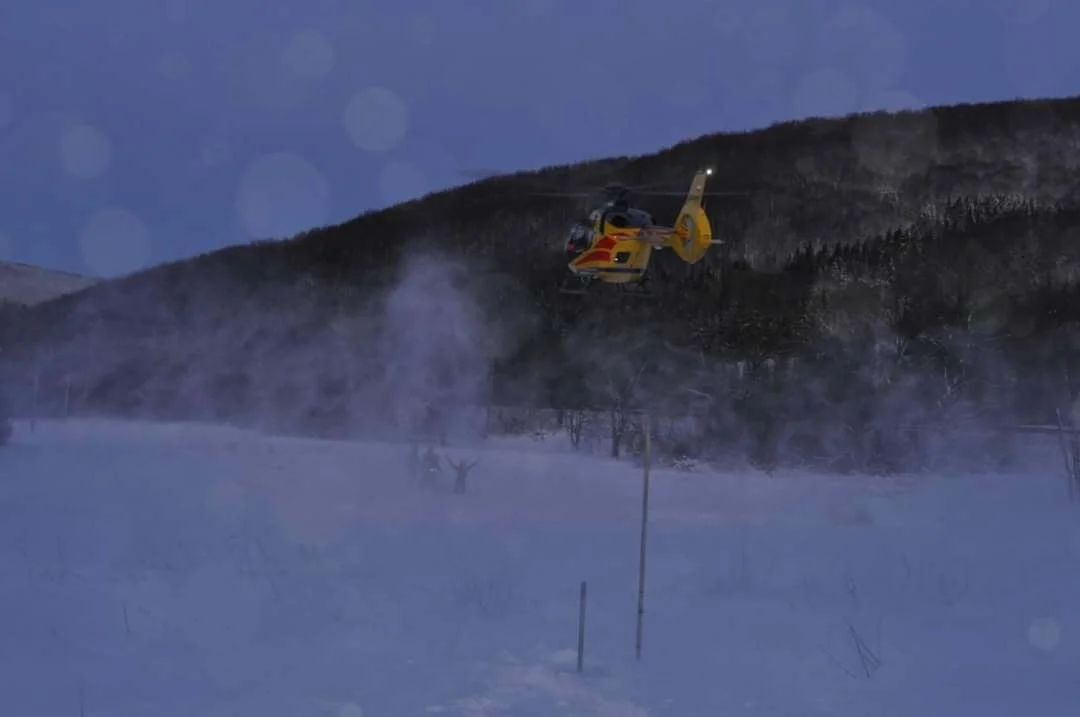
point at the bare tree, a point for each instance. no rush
(573, 421)
(621, 389)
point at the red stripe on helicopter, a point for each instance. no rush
(606, 242)
(594, 256)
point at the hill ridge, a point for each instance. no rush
(875, 254)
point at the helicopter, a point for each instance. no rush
(615, 244)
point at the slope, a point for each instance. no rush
(28, 285)
(840, 311)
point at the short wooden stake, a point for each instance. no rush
(581, 626)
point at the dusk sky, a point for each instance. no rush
(139, 131)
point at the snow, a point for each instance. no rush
(174, 569)
(25, 284)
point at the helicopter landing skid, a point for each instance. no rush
(637, 288)
(583, 286)
(574, 286)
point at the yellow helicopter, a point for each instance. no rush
(616, 242)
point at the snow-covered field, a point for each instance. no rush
(201, 571)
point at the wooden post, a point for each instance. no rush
(34, 402)
(581, 627)
(644, 536)
(1068, 454)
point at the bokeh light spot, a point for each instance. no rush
(85, 151)
(280, 195)
(376, 119)
(308, 55)
(115, 242)
(1044, 634)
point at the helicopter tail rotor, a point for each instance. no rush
(692, 235)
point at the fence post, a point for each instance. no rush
(581, 627)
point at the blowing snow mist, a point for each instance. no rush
(438, 344)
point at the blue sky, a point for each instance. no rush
(140, 131)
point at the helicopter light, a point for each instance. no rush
(708, 171)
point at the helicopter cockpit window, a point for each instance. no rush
(639, 219)
(578, 239)
(619, 221)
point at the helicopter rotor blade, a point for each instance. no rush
(598, 192)
(731, 193)
(562, 195)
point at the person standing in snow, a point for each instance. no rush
(430, 465)
(461, 473)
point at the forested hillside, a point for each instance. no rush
(884, 276)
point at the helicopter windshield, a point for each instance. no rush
(577, 239)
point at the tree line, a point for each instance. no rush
(881, 272)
